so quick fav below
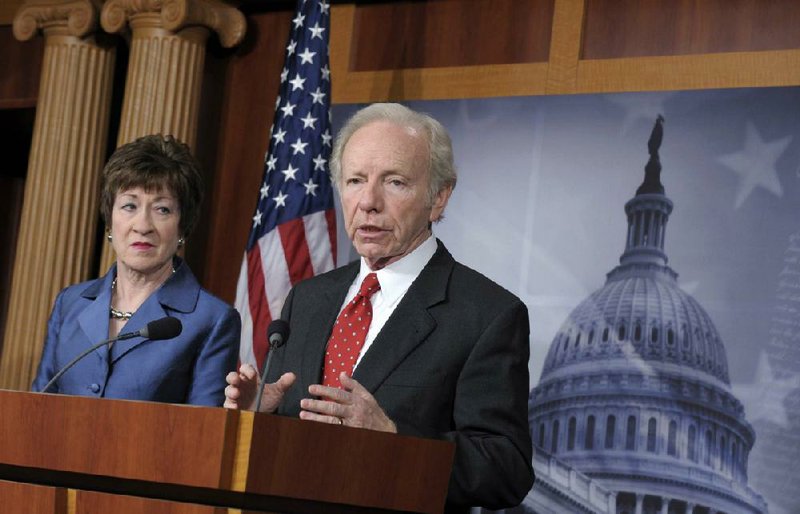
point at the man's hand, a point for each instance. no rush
(243, 388)
(353, 406)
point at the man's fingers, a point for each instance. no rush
(323, 407)
(248, 372)
(321, 418)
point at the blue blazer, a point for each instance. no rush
(190, 368)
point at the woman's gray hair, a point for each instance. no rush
(442, 169)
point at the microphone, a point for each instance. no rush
(277, 334)
(163, 328)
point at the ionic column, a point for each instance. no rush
(59, 213)
(165, 70)
(664, 506)
(690, 508)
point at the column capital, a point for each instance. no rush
(70, 17)
(175, 15)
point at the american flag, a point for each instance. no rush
(293, 232)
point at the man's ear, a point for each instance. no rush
(439, 203)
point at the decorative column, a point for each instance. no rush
(664, 505)
(59, 213)
(639, 504)
(167, 55)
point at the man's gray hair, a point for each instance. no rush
(442, 169)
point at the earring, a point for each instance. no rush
(181, 242)
(108, 236)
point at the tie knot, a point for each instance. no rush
(369, 286)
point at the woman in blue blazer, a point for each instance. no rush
(150, 200)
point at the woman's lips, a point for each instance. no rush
(142, 246)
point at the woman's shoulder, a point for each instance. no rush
(89, 289)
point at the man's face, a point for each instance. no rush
(384, 192)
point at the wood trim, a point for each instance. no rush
(565, 46)
(709, 71)
(564, 73)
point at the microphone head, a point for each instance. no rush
(164, 328)
(278, 332)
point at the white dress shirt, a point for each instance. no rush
(395, 279)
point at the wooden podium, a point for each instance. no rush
(75, 454)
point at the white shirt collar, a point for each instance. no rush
(397, 277)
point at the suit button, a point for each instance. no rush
(95, 388)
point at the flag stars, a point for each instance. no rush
(326, 73)
(319, 162)
(309, 121)
(280, 135)
(290, 172)
(257, 219)
(271, 163)
(291, 48)
(299, 147)
(324, 6)
(307, 57)
(316, 31)
(317, 96)
(288, 109)
(297, 82)
(326, 138)
(280, 200)
(298, 20)
(264, 190)
(311, 187)
(284, 76)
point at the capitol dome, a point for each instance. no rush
(635, 392)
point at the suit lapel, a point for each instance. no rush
(409, 325)
(93, 320)
(322, 323)
(179, 293)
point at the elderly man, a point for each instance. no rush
(407, 340)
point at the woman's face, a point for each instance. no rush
(144, 229)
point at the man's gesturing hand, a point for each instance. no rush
(353, 406)
(243, 387)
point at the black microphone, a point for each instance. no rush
(277, 334)
(163, 328)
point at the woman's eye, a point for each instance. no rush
(164, 210)
(128, 207)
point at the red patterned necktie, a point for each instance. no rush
(349, 333)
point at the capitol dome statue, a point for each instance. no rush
(634, 394)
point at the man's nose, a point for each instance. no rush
(371, 198)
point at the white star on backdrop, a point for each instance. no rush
(755, 164)
(763, 399)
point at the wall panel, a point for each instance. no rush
(635, 28)
(438, 33)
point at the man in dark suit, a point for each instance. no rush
(406, 340)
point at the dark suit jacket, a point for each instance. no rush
(450, 363)
(190, 368)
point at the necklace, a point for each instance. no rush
(114, 313)
(117, 314)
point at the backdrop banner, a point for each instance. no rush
(660, 263)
